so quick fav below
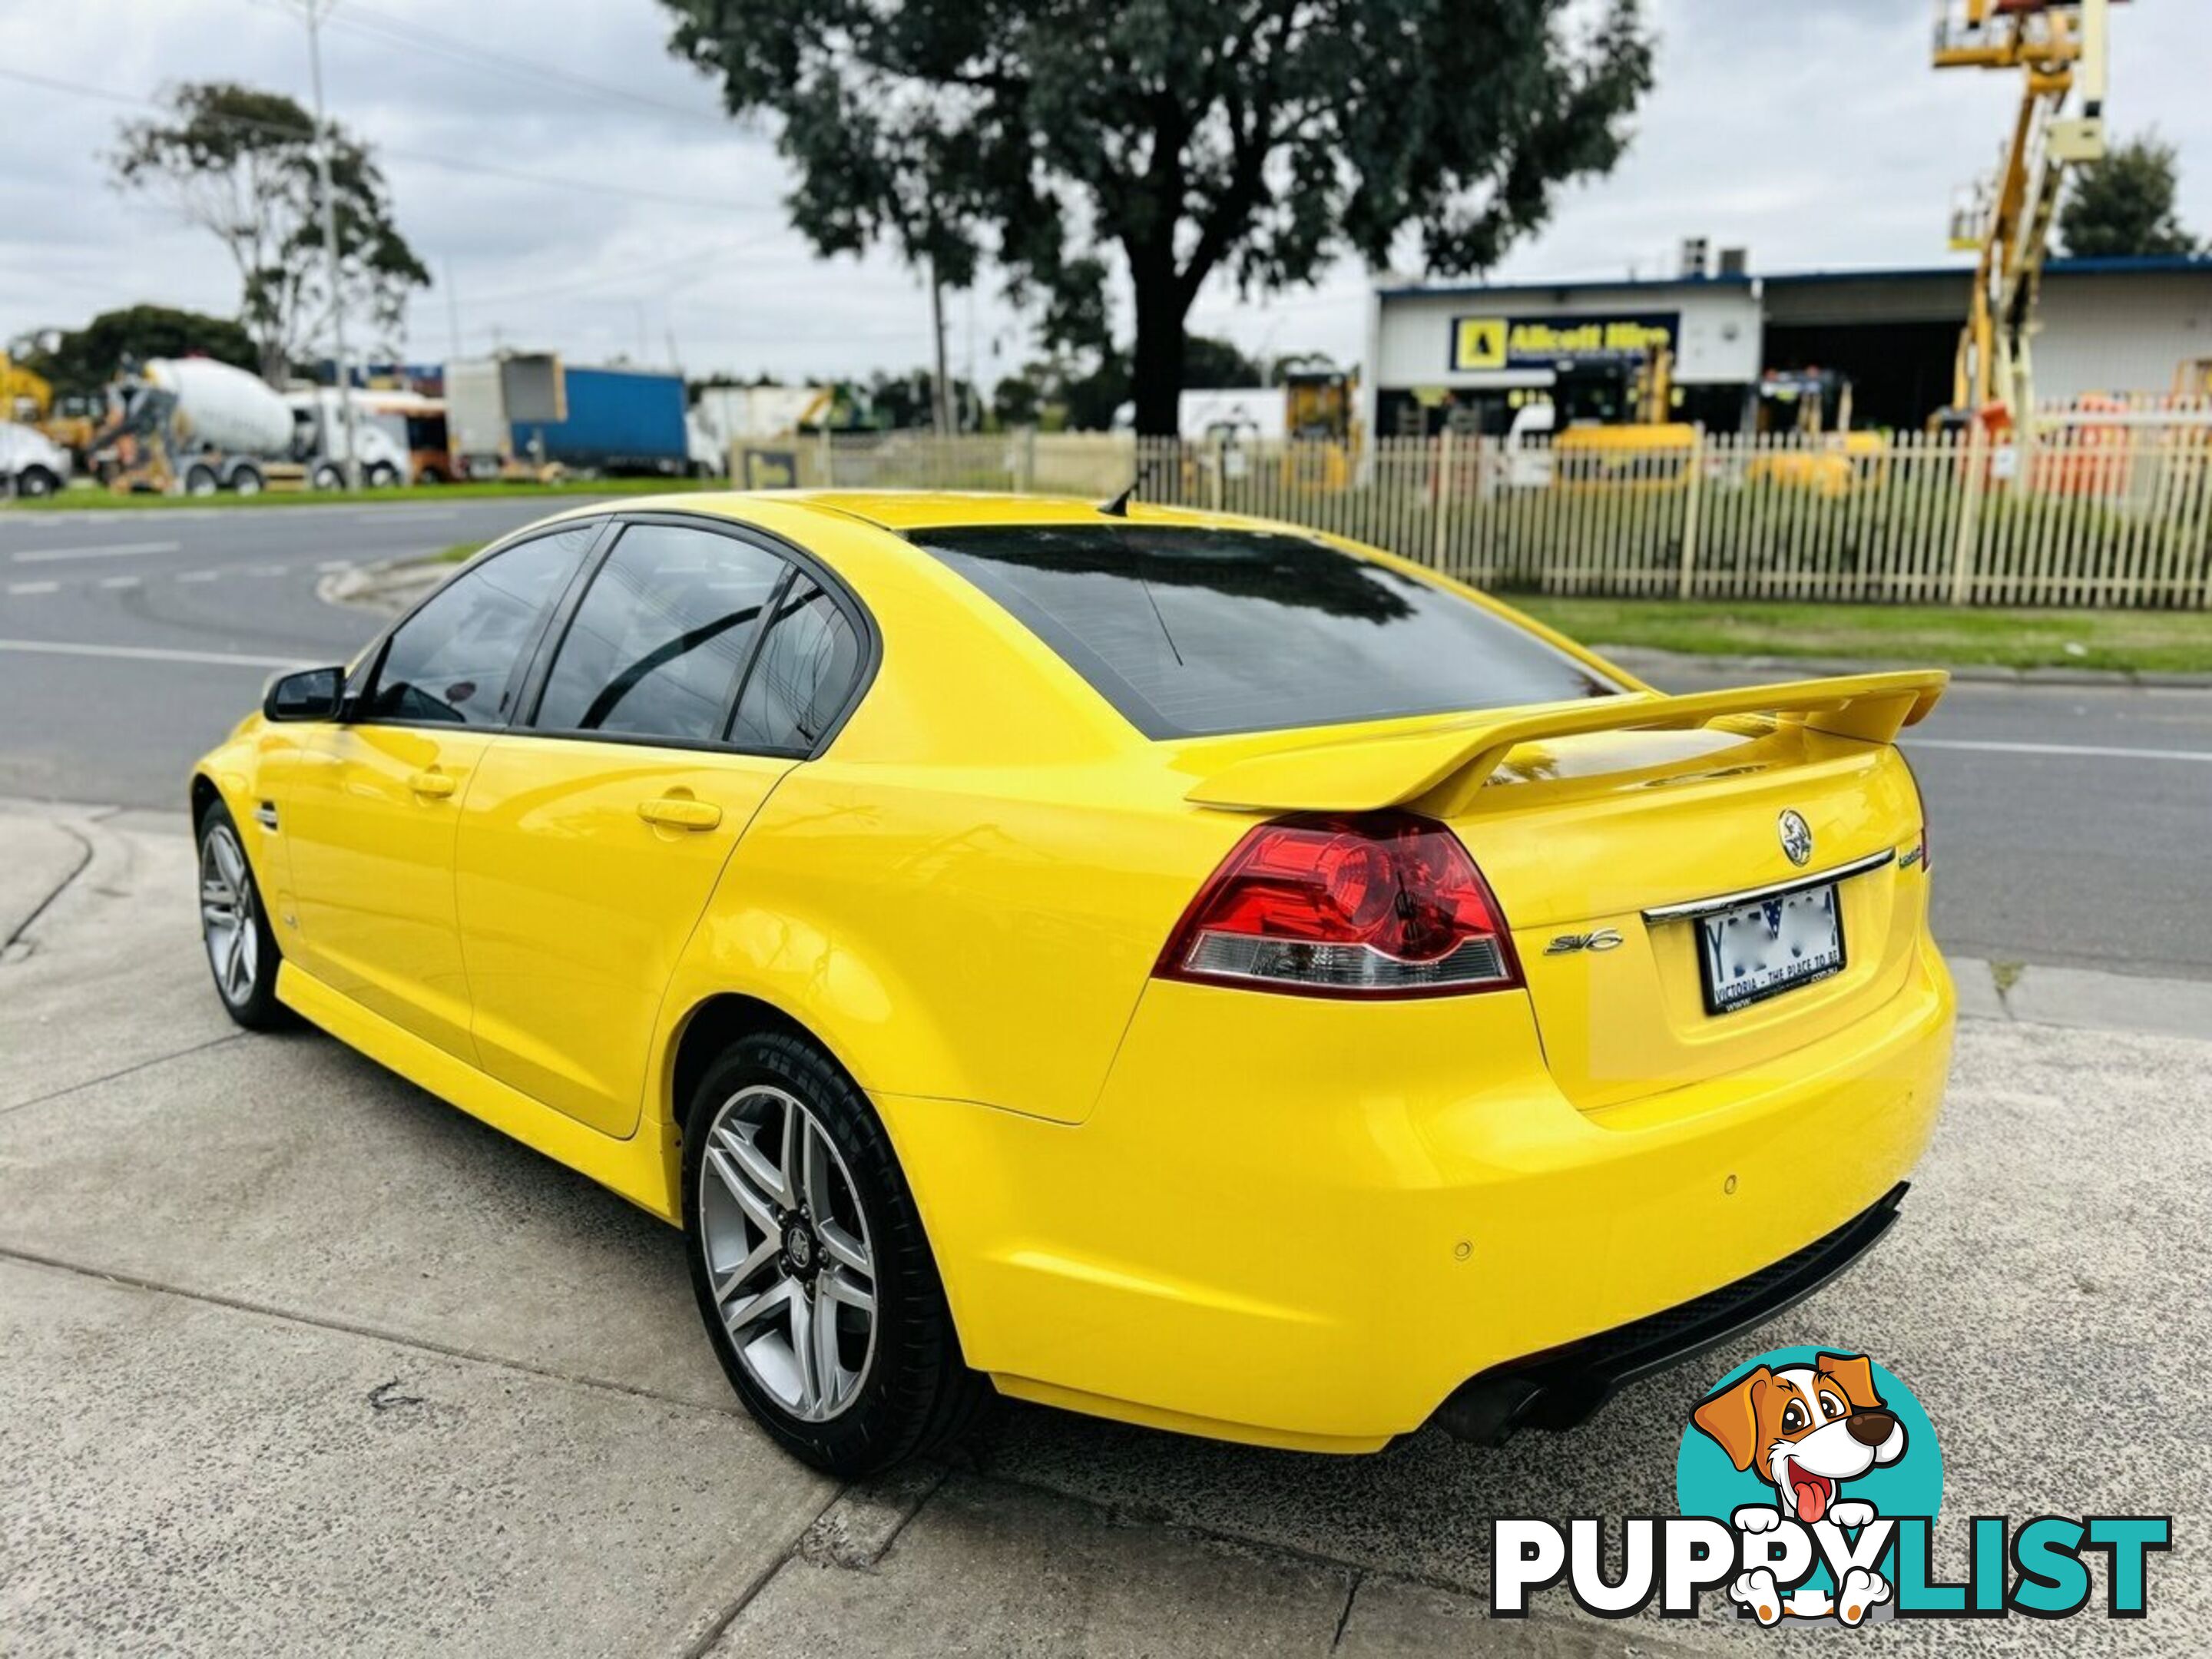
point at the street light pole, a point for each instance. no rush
(351, 466)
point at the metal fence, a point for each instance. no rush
(2110, 508)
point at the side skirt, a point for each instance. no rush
(641, 1168)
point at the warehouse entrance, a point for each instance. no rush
(1900, 371)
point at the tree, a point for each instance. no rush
(83, 359)
(1016, 401)
(1261, 139)
(1208, 361)
(2124, 205)
(907, 401)
(241, 163)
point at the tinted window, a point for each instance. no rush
(656, 645)
(455, 659)
(805, 674)
(1190, 631)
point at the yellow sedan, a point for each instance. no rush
(1171, 966)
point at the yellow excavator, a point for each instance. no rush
(2059, 49)
(1814, 406)
(28, 397)
(1615, 420)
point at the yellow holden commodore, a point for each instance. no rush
(1166, 965)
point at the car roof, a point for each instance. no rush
(903, 510)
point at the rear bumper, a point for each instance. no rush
(1563, 1388)
(1274, 1227)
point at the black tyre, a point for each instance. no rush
(36, 480)
(241, 947)
(328, 477)
(201, 480)
(246, 480)
(383, 476)
(813, 1276)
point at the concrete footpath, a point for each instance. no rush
(295, 1360)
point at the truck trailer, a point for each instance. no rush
(530, 414)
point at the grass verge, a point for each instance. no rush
(2167, 642)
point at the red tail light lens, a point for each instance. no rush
(1381, 904)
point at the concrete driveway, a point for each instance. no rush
(294, 1358)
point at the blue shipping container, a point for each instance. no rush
(620, 419)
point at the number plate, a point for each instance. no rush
(1760, 950)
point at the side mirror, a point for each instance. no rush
(312, 694)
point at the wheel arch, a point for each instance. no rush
(710, 1027)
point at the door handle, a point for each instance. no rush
(433, 785)
(675, 813)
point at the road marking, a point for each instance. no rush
(33, 587)
(118, 581)
(2092, 751)
(113, 551)
(266, 570)
(149, 654)
(198, 575)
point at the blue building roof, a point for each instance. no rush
(2151, 265)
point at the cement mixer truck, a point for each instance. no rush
(196, 425)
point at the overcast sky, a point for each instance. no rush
(1812, 131)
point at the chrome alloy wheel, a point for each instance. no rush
(233, 944)
(788, 1252)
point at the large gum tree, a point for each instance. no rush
(1175, 139)
(240, 163)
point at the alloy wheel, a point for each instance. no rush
(788, 1252)
(233, 946)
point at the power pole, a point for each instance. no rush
(941, 403)
(314, 10)
(452, 311)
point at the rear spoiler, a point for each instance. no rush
(1443, 768)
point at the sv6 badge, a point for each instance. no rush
(1604, 939)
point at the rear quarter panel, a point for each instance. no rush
(962, 937)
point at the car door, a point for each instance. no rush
(591, 842)
(369, 820)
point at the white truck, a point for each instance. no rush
(318, 439)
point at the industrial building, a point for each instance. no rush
(1466, 356)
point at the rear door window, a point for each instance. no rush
(804, 677)
(1193, 632)
(655, 647)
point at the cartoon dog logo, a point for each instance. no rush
(1805, 1430)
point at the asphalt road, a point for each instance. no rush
(2070, 825)
(130, 640)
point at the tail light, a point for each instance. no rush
(1381, 904)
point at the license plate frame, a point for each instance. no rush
(1712, 928)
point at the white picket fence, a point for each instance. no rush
(2108, 508)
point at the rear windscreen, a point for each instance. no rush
(1193, 632)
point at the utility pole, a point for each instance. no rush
(452, 311)
(314, 10)
(941, 403)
